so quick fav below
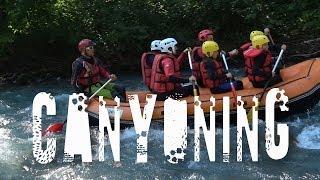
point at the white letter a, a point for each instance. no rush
(78, 132)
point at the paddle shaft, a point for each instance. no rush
(225, 62)
(195, 93)
(273, 70)
(99, 89)
(234, 93)
(59, 126)
(269, 35)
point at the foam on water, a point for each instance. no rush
(17, 161)
(128, 133)
(7, 155)
(4, 105)
(4, 120)
(65, 172)
(309, 138)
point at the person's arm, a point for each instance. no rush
(102, 70)
(168, 68)
(275, 48)
(177, 79)
(76, 70)
(182, 56)
(226, 54)
(258, 64)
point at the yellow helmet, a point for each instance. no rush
(209, 47)
(259, 40)
(255, 33)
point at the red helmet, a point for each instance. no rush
(202, 36)
(85, 43)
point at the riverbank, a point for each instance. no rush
(19, 70)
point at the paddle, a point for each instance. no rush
(265, 87)
(54, 128)
(195, 92)
(234, 93)
(88, 100)
(267, 31)
(59, 126)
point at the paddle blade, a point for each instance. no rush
(234, 93)
(250, 113)
(195, 92)
(54, 128)
(250, 116)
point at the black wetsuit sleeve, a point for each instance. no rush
(178, 80)
(77, 68)
(227, 55)
(275, 48)
(150, 58)
(211, 70)
(258, 63)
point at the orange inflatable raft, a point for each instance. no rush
(301, 83)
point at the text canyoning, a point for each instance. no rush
(175, 128)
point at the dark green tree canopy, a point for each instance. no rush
(123, 29)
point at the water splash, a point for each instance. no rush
(4, 105)
(309, 138)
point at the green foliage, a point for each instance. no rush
(123, 29)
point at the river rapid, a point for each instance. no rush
(17, 161)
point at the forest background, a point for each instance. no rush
(38, 38)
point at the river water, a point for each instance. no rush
(17, 161)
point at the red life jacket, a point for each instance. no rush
(90, 74)
(205, 77)
(159, 81)
(146, 69)
(196, 63)
(250, 56)
(244, 48)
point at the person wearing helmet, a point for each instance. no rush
(258, 62)
(147, 61)
(165, 77)
(197, 55)
(249, 44)
(214, 76)
(87, 72)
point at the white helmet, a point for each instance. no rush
(168, 43)
(155, 45)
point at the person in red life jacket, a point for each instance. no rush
(87, 72)
(247, 46)
(147, 61)
(197, 55)
(165, 77)
(274, 48)
(214, 76)
(259, 62)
